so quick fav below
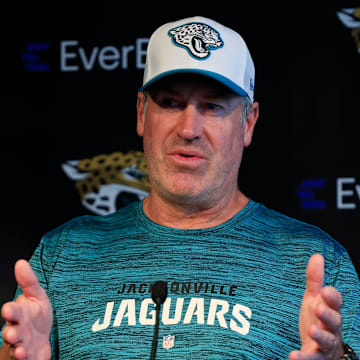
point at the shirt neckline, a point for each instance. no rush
(243, 215)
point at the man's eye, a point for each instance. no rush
(213, 107)
(169, 103)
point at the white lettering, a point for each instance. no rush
(108, 311)
(128, 305)
(88, 64)
(219, 314)
(198, 304)
(166, 311)
(239, 322)
(140, 52)
(341, 193)
(75, 58)
(64, 55)
(357, 188)
(143, 319)
(245, 324)
(124, 54)
(109, 58)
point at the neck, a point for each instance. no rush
(193, 216)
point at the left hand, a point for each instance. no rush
(320, 318)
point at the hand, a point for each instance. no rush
(320, 319)
(28, 319)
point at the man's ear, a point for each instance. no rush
(250, 123)
(140, 113)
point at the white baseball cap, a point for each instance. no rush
(203, 46)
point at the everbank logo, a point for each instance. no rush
(33, 56)
(75, 56)
(320, 193)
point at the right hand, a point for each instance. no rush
(28, 319)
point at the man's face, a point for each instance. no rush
(193, 139)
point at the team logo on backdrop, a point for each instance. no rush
(76, 56)
(345, 193)
(307, 194)
(108, 182)
(351, 19)
(197, 38)
(33, 56)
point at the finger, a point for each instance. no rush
(27, 280)
(329, 317)
(298, 355)
(326, 340)
(11, 312)
(332, 297)
(11, 335)
(19, 353)
(315, 274)
(13, 352)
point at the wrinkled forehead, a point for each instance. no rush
(180, 83)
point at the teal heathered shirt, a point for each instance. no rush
(234, 290)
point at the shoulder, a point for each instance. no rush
(291, 232)
(295, 241)
(125, 214)
(81, 238)
(278, 221)
(90, 228)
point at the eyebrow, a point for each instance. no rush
(211, 94)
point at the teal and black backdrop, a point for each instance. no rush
(69, 78)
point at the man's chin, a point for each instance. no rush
(188, 196)
(183, 189)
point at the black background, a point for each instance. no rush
(307, 83)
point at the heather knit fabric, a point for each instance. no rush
(234, 290)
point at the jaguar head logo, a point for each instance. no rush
(197, 38)
(108, 182)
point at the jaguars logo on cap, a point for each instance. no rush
(197, 38)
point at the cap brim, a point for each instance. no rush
(221, 79)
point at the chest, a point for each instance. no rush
(222, 298)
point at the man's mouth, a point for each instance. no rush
(187, 155)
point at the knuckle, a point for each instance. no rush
(5, 309)
(337, 321)
(4, 333)
(335, 296)
(9, 311)
(10, 335)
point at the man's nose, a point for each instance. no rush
(190, 125)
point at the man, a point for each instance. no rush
(235, 269)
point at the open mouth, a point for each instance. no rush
(186, 155)
(188, 158)
(198, 45)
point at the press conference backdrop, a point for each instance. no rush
(70, 74)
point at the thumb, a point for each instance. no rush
(27, 280)
(315, 274)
